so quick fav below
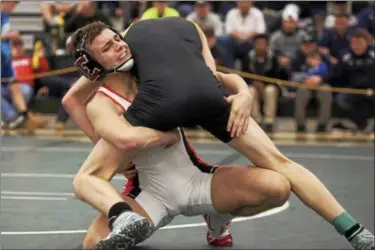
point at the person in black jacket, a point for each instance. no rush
(356, 69)
(262, 61)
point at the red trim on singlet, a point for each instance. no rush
(114, 92)
(114, 100)
(128, 186)
(199, 159)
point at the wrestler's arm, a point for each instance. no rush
(113, 128)
(240, 100)
(75, 101)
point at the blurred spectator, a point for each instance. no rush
(11, 92)
(110, 8)
(129, 11)
(273, 11)
(366, 18)
(217, 51)
(55, 86)
(315, 75)
(242, 24)
(54, 16)
(336, 41)
(267, 6)
(6, 33)
(20, 91)
(133, 11)
(53, 13)
(25, 66)
(159, 9)
(85, 13)
(356, 70)
(261, 61)
(204, 17)
(8, 74)
(285, 42)
(185, 8)
(307, 46)
(335, 8)
(318, 11)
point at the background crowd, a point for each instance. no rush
(313, 43)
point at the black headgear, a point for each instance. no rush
(90, 67)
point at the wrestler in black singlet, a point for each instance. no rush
(176, 87)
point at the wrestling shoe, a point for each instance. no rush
(363, 240)
(219, 236)
(224, 240)
(17, 122)
(129, 229)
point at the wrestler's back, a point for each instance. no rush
(174, 79)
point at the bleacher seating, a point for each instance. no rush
(26, 18)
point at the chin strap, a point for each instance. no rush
(126, 66)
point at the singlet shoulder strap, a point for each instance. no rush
(115, 97)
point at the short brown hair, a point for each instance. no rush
(342, 15)
(362, 33)
(314, 54)
(208, 30)
(91, 31)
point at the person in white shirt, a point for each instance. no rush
(242, 24)
(203, 16)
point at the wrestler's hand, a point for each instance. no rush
(171, 138)
(130, 173)
(240, 113)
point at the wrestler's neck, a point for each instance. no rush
(122, 83)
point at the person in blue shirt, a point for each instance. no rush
(7, 74)
(6, 33)
(316, 74)
(366, 18)
(315, 66)
(11, 93)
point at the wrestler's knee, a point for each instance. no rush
(78, 183)
(271, 187)
(278, 189)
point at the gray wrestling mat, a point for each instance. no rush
(39, 211)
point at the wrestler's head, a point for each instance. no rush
(98, 50)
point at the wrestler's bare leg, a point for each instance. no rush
(246, 191)
(129, 227)
(260, 150)
(252, 190)
(91, 182)
(99, 230)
